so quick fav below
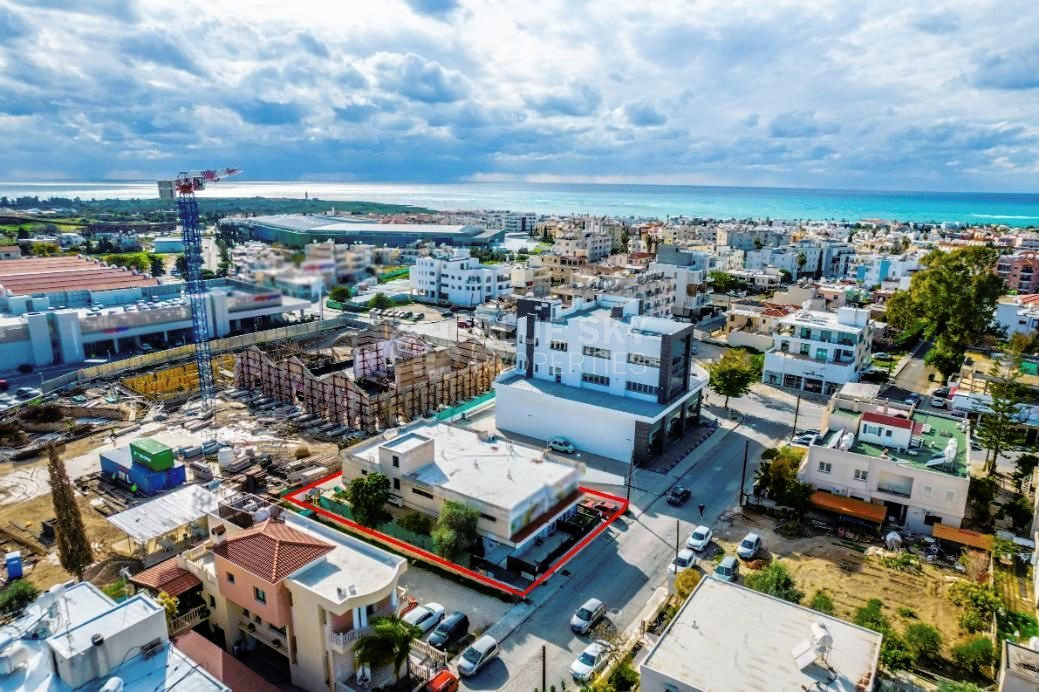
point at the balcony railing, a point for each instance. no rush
(901, 492)
(189, 619)
(342, 640)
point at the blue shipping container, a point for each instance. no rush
(175, 476)
(147, 481)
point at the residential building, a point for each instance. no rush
(511, 221)
(531, 278)
(1020, 270)
(821, 258)
(752, 323)
(518, 490)
(908, 467)
(749, 239)
(689, 271)
(294, 587)
(656, 290)
(1018, 314)
(819, 351)
(458, 279)
(611, 380)
(588, 245)
(75, 637)
(349, 262)
(728, 637)
(10, 252)
(873, 270)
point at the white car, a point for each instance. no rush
(590, 661)
(561, 444)
(685, 559)
(425, 617)
(699, 539)
(750, 546)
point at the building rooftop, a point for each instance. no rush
(272, 550)
(78, 637)
(637, 407)
(65, 273)
(1021, 665)
(158, 517)
(494, 471)
(166, 576)
(728, 637)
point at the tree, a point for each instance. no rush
(157, 265)
(74, 550)
(455, 534)
(732, 374)
(974, 655)
(170, 604)
(45, 249)
(776, 478)
(380, 301)
(952, 300)
(181, 265)
(1019, 512)
(1024, 467)
(775, 580)
(17, 595)
(801, 261)
(980, 494)
(923, 641)
(416, 522)
(686, 581)
(999, 429)
(723, 282)
(388, 643)
(368, 496)
(340, 293)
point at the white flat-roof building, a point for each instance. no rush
(1018, 314)
(728, 637)
(610, 380)
(590, 245)
(819, 351)
(429, 462)
(458, 279)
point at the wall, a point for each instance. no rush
(761, 342)
(275, 611)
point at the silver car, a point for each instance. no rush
(587, 615)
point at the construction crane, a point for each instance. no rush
(183, 189)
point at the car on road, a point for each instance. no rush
(27, 392)
(479, 654)
(803, 440)
(940, 397)
(451, 629)
(749, 546)
(561, 444)
(590, 661)
(882, 356)
(678, 495)
(444, 681)
(447, 313)
(588, 615)
(913, 399)
(425, 617)
(808, 431)
(728, 569)
(685, 559)
(699, 539)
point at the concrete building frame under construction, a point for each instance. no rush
(393, 377)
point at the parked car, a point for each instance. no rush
(882, 356)
(940, 397)
(728, 569)
(444, 681)
(451, 629)
(425, 617)
(913, 399)
(685, 559)
(561, 444)
(479, 654)
(27, 392)
(749, 546)
(699, 539)
(590, 661)
(462, 324)
(679, 495)
(587, 616)
(804, 440)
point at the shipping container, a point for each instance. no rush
(151, 453)
(144, 480)
(175, 475)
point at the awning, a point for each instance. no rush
(849, 506)
(164, 514)
(981, 541)
(167, 576)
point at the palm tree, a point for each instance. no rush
(389, 643)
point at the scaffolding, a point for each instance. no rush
(397, 377)
(178, 381)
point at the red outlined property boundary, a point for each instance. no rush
(294, 498)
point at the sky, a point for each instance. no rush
(878, 95)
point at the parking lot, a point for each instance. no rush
(425, 585)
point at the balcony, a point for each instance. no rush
(199, 561)
(342, 642)
(892, 490)
(264, 633)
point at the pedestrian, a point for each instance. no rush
(702, 508)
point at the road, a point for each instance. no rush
(625, 565)
(914, 376)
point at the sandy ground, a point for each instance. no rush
(850, 578)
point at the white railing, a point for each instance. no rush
(189, 619)
(342, 639)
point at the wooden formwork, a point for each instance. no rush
(422, 383)
(176, 381)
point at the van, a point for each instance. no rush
(728, 569)
(479, 654)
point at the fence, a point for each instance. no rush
(232, 343)
(389, 528)
(452, 413)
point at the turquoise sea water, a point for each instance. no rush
(639, 201)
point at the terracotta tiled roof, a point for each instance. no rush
(272, 550)
(890, 421)
(167, 576)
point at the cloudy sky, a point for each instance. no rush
(881, 94)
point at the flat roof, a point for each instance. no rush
(934, 433)
(65, 273)
(406, 442)
(729, 637)
(158, 517)
(495, 471)
(77, 638)
(333, 224)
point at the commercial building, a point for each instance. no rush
(891, 461)
(515, 488)
(458, 279)
(1020, 270)
(819, 351)
(297, 231)
(168, 243)
(729, 637)
(75, 637)
(299, 590)
(611, 380)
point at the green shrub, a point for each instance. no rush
(974, 655)
(416, 522)
(871, 617)
(924, 641)
(979, 602)
(775, 580)
(624, 678)
(17, 595)
(895, 654)
(822, 602)
(907, 613)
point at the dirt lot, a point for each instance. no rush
(850, 578)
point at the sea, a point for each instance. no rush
(620, 200)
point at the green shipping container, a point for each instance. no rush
(154, 455)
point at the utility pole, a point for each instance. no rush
(544, 675)
(678, 535)
(743, 475)
(797, 410)
(627, 480)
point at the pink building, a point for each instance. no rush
(1020, 271)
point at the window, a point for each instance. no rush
(230, 578)
(259, 595)
(364, 472)
(950, 495)
(422, 493)
(641, 388)
(825, 467)
(396, 461)
(887, 432)
(396, 484)
(558, 345)
(927, 491)
(639, 359)
(601, 380)
(593, 352)
(860, 474)
(488, 517)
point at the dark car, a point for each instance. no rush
(678, 495)
(451, 629)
